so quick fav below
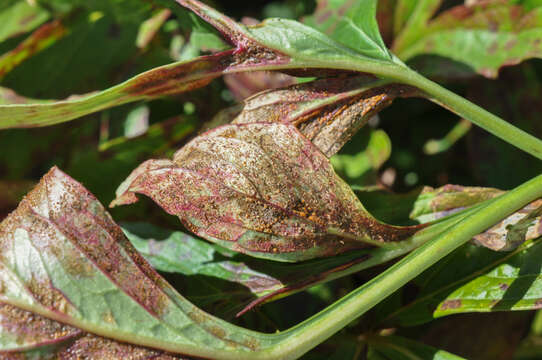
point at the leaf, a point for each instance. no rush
(150, 27)
(475, 279)
(398, 348)
(422, 205)
(273, 45)
(20, 18)
(351, 23)
(260, 189)
(24, 335)
(243, 85)
(484, 36)
(63, 257)
(43, 37)
(328, 111)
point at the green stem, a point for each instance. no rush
(473, 112)
(303, 337)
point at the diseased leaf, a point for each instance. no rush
(243, 85)
(273, 45)
(260, 189)
(24, 335)
(423, 205)
(398, 348)
(475, 279)
(20, 18)
(523, 225)
(483, 36)
(351, 23)
(43, 37)
(328, 111)
(63, 257)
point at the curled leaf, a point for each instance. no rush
(328, 111)
(261, 189)
(523, 225)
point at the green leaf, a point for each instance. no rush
(261, 189)
(63, 257)
(20, 18)
(398, 348)
(25, 335)
(485, 37)
(475, 279)
(351, 23)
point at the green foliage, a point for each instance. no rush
(319, 167)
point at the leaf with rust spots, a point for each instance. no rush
(484, 36)
(25, 335)
(328, 112)
(42, 38)
(423, 205)
(243, 85)
(523, 225)
(275, 44)
(260, 189)
(476, 279)
(62, 257)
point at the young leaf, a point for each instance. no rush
(260, 189)
(63, 257)
(24, 335)
(352, 23)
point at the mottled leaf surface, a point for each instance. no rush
(25, 335)
(328, 111)
(484, 36)
(260, 189)
(63, 257)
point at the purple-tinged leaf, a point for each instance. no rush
(40, 39)
(243, 85)
(327, 112)
(260, 189)
(63, 257)
(25, 335)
